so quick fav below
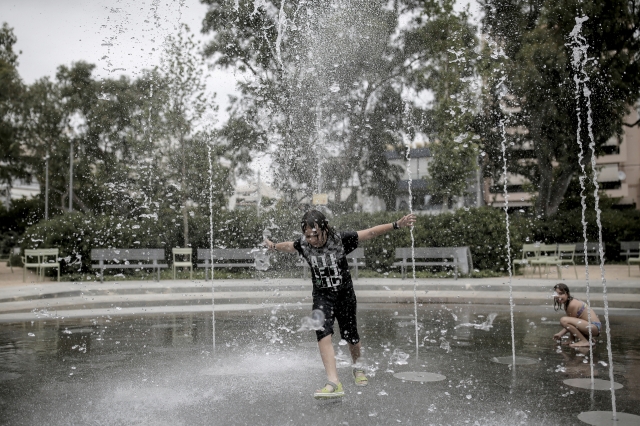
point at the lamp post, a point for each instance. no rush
(46, 186)
(71, 177)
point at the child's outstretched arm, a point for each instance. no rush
(367, 234)
(559, 334)
(285, 247)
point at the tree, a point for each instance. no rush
(186, 107)
(539, 81)
(333, 78)
(321, 83)
(444, 45)
(12, 164)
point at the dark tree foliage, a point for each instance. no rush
(540, 97)
(325, 83)
(11, 90)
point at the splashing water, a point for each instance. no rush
(261, 259)
(503, 144)
(485, 326)
(413, 257)
(399, 357)
(444, 344)
(313, 322)
(580, 51)
(213, 300)
(579, 59)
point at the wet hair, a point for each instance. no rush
(563, 288)
(314, 218)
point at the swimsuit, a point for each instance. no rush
(581, 310)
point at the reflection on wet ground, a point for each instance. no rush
(161, 370)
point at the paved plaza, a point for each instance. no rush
(163, 369)
(142, 353)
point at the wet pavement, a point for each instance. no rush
(163, 370)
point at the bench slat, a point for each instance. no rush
(127, 254)
(131, 266)
(457, 257)
(116, 255)
(222, 254)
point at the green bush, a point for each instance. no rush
(482, 229)
(76, 234)
(15, 260)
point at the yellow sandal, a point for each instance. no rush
(360, 377)
(330, 390)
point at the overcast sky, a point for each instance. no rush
(119, 37)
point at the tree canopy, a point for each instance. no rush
(534, 36)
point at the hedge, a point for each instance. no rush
(482, 229)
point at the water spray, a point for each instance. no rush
(213, 300)
(413, 257)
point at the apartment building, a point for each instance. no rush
(618, 172)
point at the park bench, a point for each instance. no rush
(631, 251)
(592, 251)
(426, 256)
(225, 258)
(114, 258)
(40, 259)
(355, 259)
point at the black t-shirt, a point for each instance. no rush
(329, 266)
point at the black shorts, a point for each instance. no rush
(340, 305)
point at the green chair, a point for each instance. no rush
(547, 252)
(31, 259)
(565, 256)
(529, 253)
(184, 255)
(49, 259)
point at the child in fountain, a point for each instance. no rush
(325, 251)
(577, 320)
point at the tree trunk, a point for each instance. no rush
(558, 190)
(185, 220)
(183, 190)
(545, 169)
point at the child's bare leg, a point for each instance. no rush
(355, 351)
(578, 337)
(577, 328)
(328, 356)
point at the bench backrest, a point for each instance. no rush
(32, 253)
(592, 249)
(225, 254)
(427, 253)
(629, 247)
(530, 251)
(44, 252)
(356, 254)
(548, 249)
(118, 255)
(182, 253)
(566, 251)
